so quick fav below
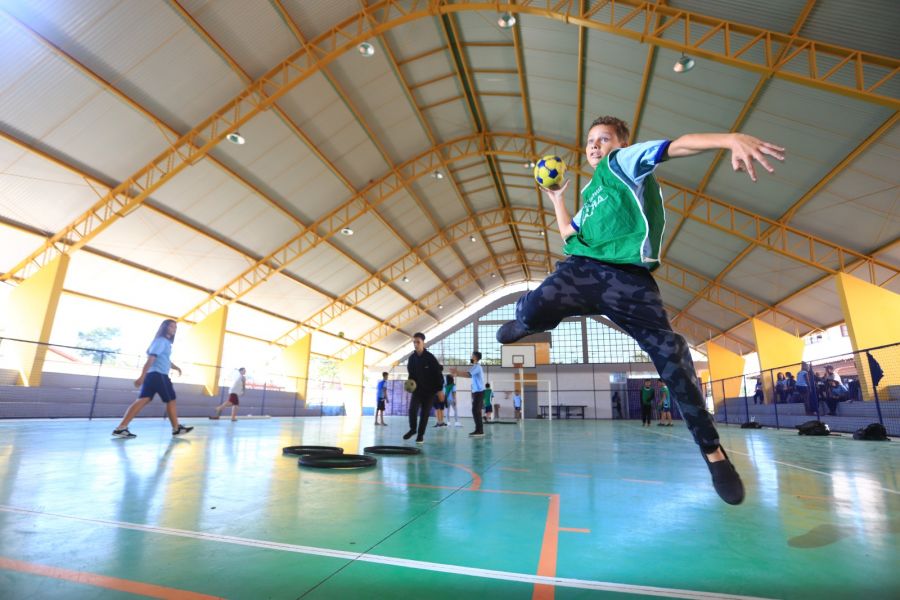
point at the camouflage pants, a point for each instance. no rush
(629, 297)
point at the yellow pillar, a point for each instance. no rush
(295, 363)
(351, 371)
(32, 309)
(871, 316)
(205, 342)
(777, 349)
(726, 370)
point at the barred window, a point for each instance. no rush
(488, 344)
(608, 345)
(566, 347)
(456, 348)
(503, 313)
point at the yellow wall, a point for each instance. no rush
(351, 373)
(778, 351)
(205, 342)
(32, 309)
(871, 314)
(295, 362)
(724, 364)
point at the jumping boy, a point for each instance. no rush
(612, 245)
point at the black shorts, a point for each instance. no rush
(440, 405)
(157, 383)
(380, 405)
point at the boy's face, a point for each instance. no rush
(601, 140)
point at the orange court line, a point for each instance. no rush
(549, 546)
(111, 583)
(476, 478)
(575, 529)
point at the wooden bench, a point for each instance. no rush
(568, 410)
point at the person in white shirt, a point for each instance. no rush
(237, 390)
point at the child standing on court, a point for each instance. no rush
(488, 408)
(154, 380)
(381, 399)
(450, 399)
(613, 243)
(665, 405)
(237, 390)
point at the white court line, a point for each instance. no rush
(584, 584)
(780, 462)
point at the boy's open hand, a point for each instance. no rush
(746, 148)
(557, 195)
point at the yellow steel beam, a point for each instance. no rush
(436, 297)
(789, 214)
(529, 129)
(467, 82)
(742, 116)
(213, 302)
(429, 131)
(476, 224)
(744, 46)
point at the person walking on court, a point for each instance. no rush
(381, 399)
(613, 243)
(477, 376)
(450, 400)
(155, 380)
(647, 395)
(517, 404)
(425, 370)
(237, 390)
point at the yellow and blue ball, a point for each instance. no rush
(549, 172)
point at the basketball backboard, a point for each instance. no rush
(517, 355)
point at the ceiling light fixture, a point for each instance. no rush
(236, 138)
(472, 238)
(440, 306)
(542, 233)
(437, 175)
(683, 64)
(405, 279)
(506, 20)
(346, 231)
(493, 275)
(366, 49)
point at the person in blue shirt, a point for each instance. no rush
(155, 380)
(613, 243)
(381, 399)
(477, 376)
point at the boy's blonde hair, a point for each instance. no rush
(620, 126)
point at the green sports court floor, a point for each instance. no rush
(562, 509)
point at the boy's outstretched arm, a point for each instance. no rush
(563, 219)
(744, 149)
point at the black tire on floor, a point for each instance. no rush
(391, 450)
(311, 450)
(336, 461)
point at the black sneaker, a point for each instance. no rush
(123, 433)
(420, 440)
(409, 434)
(476, 434)
(182, 430)
(725, 479)
(512, 332)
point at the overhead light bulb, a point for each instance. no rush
(506, 20)
(472, 238)
(405, 279)
(542, 233)
(437, 175)
(493, 275)
(236, 138)
(366, 49)
(683, 64)
(346, 231)
(440, 306)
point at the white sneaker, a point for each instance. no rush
(458, 424)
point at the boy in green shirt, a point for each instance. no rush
(612, 244)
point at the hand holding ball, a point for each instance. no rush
(549, 172)
(409, 385)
